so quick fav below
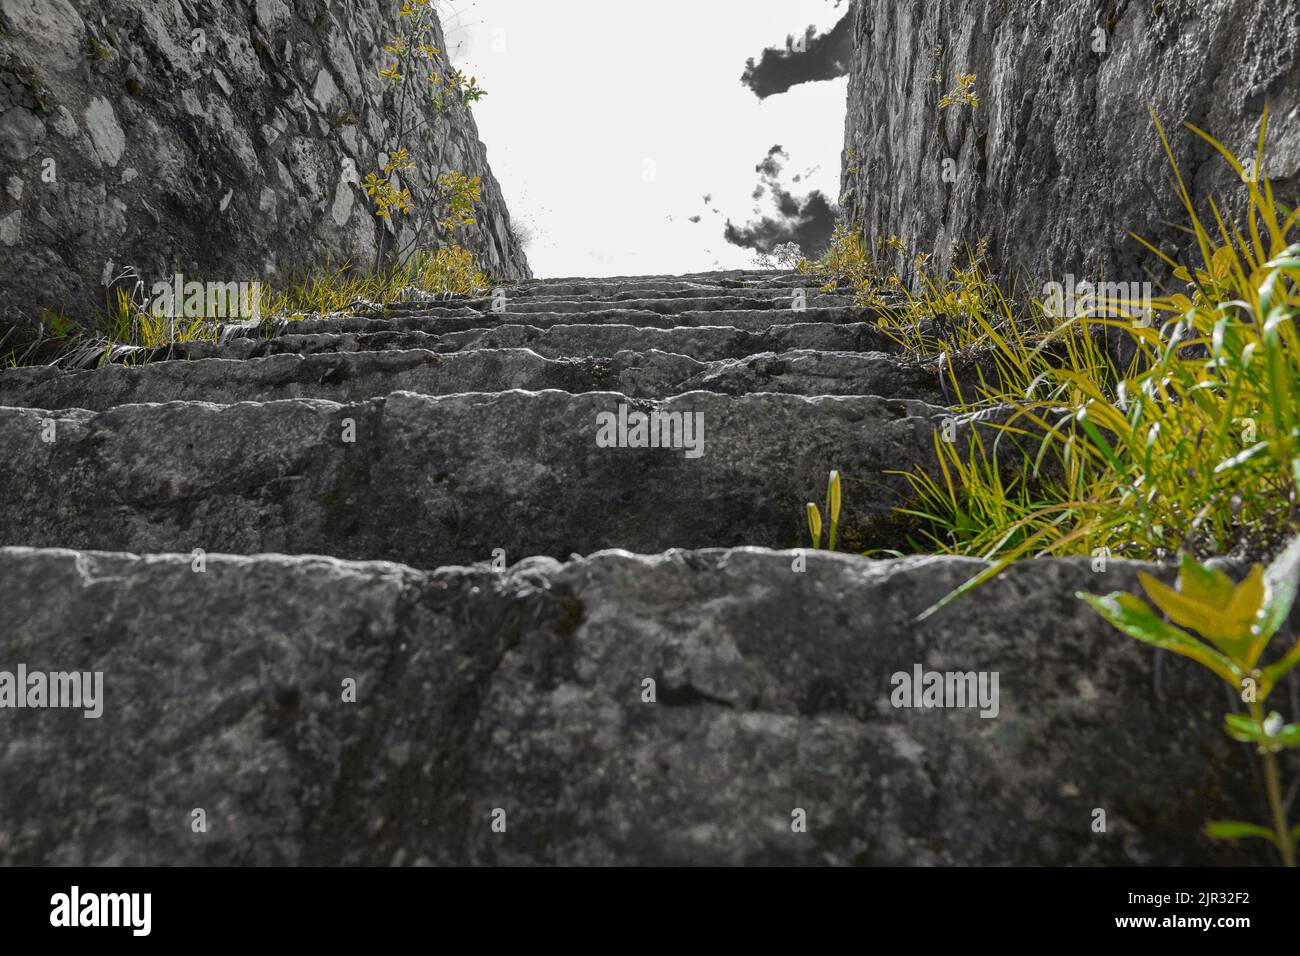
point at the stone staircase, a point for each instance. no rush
(416, 501)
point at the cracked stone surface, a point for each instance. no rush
(523, 690)
(1061, 161)
(401, 500)
(286, 101)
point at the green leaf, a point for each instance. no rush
(1246, 603)
(1227, 621)
(1278, 669)
(833, 508)
(1136, 619)
(814, 525)
(1242, 727)
(1254, 451)
(1248, 730)
(1101, 443)
(1237, 830)
(1203, 585)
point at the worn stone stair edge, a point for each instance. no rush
(355, 376)
(524, 690)
(420, 479)
(703, 343)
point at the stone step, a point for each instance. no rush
(670, 299)
(650, 290)
(705, 343)
(446, 480)
(733, 278)
(754, 320)
(523, 305)
(356, 376)
(524, 690)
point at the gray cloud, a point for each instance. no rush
(824, 57)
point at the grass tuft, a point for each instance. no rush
(1126, 434)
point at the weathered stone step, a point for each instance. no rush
(705, 343)
(732, 277)
(355, 376)
(651, 289)
(444, 480)
(666, 299)
(754, 320)
(718, 276)
(427, 309)
(525, 690)
(523, 305)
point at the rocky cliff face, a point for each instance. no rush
(228, 138)
(1060, 159)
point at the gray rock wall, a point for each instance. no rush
(126, 143)
(1060, 160)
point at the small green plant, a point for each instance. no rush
(27, 76)
(457, 87)
(845, 264)
(418, 74)
(457, 194)
(1236, 623)
(962, 92)
(1193, 446)
(923, 312)
(57, 325)
(450, 271)
(131, 322)
(100, 51)
(339, 290)
(128, 328)
(387, 195)
(832, 511)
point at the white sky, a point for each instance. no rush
(582, 93)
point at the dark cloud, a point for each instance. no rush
(807, 220)
(771, 167)
(823, 57)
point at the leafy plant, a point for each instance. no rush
(846, 262)
(385, 193)
(458, 194)
(417, 73)
(962, 92)
(1236, 623)
(832, 511)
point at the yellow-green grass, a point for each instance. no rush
(1192, 445)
